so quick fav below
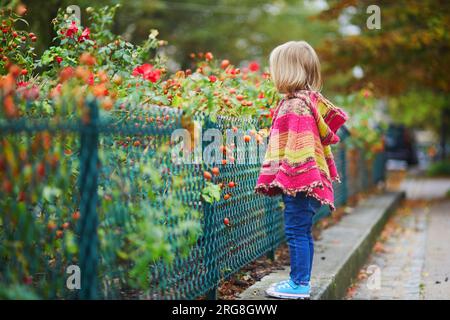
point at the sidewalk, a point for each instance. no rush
(414, 261)
(341, 251)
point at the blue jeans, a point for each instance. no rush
(298, 214)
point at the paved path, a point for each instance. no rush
(414, 261)
(422, 188)
(437, 258)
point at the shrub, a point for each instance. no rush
(440, 168)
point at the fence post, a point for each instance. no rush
(88, 223)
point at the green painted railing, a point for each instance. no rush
(69, 168)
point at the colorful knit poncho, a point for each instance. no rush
(298, 157)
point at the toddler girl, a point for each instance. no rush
(298, 163)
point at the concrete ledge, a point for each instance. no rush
(341, 252)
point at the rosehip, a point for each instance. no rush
(207, 175)
(209, 56)
(51, 225)
(76, 215)
(224, 64)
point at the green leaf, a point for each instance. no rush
(211, 192)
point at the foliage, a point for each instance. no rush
(39, 171)
(404, 58)
(440, 168)
(252, 28)
(366, 132)
(17, 46)
(408, 51)
(417, 108)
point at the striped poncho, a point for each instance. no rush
(298, 156)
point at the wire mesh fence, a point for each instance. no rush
(102, 193)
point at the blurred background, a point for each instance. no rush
(384, 62)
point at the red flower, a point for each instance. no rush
(147, 72)
(253, 66)
(84, 35)
(90, 80)
(58, 59)
(56, 91)
(27, 92)
(66, 74)
(212, 79)
(272, 112)
(22, 84)
(72, 29)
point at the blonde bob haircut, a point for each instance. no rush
(294, 66)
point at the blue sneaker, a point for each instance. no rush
(289, 290)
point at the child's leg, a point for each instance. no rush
(298, 223)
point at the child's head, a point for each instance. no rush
(294, 66)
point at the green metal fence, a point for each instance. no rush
(67, 168)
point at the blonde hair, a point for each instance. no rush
(294, 66)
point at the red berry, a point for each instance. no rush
(231, 184)
(226, 221)
(28, 280)
(209, 56)
(224, 64)
(41, 170)
(207, 175)
(76, 215)
(227, 196)
(51, 225)
(24, 72)
(215, 171)
(22, 196)
(7, 186)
